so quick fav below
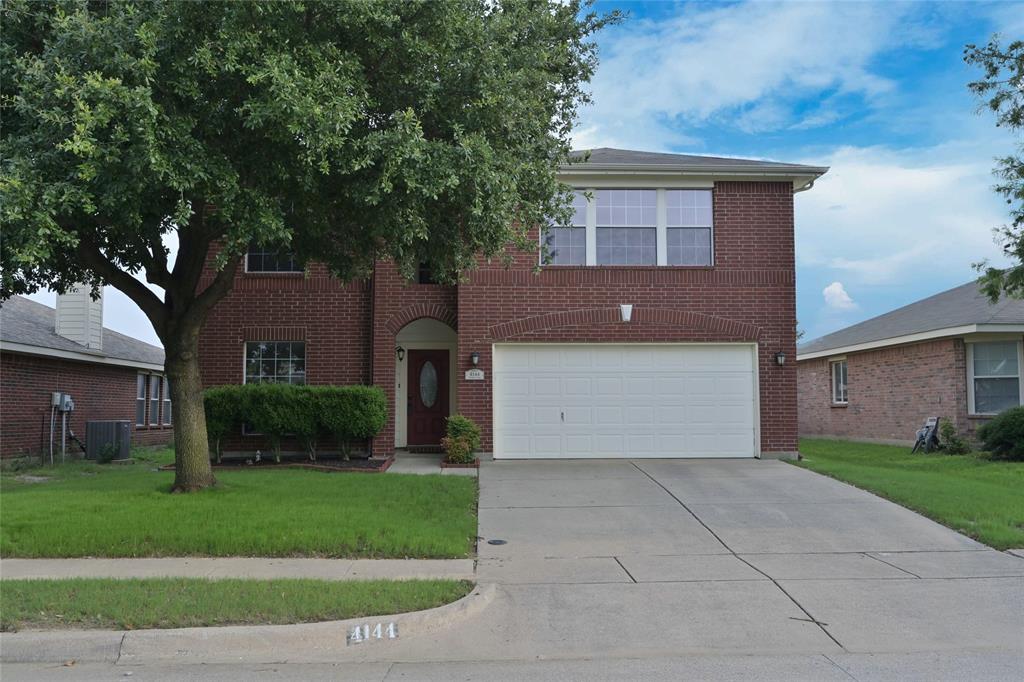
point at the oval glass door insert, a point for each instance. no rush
(428, 384)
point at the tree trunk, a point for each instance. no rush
(192, 469)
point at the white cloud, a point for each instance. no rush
(837, 298)
(745, 63)
(883, 216)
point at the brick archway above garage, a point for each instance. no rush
(434, 311)
(599, 316)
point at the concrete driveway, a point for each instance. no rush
(738, 556)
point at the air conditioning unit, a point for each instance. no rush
(116, 435)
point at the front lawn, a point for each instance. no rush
(191, 602)
(125, 510)
(980, 498)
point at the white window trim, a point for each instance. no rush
(165, 395)
(661, 229)
(970, 377)
(245, 358)
(832, 364)
(144, 399)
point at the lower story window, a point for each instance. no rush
(154, 400)
(167, 402)
(275, 362)
(140, 400)
(839, 394)
(994, 369)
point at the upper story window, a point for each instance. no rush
(567, 244)
(627, 227)
(839, 385)
(636, 227)
(263, 259)
(275, 362)
(688, 226)
(994, 376)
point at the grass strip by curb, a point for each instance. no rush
(975, 496)
(142, 603)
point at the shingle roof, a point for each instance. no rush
(962, 305)
(32, 324)
(608, 157)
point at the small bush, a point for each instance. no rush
(461, 441)
(351, 413)
(221, 404)
(950, 441)
(1003, 436)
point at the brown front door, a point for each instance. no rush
(428, 396)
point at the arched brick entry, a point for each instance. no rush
(435, 311)
(591, 316)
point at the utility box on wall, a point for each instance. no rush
(116, 435)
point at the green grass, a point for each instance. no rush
(981, 498)
(127, 510)
(193, 602)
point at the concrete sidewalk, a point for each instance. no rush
(238, 567)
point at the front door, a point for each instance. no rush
(428, 396)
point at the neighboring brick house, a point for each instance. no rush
(548, 361)
(109, 376)
(953, 355)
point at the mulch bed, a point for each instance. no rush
(371, 465)
(475, 464)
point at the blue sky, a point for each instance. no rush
(877, 91)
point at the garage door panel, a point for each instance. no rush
(624, 401)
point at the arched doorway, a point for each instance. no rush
(425, 382)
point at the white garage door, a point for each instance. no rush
(631, 400)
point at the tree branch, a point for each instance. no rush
(220, 286)
(150, 304)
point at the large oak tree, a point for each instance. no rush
(343, 132)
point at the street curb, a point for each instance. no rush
(230, 642)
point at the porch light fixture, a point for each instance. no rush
(474, 358)
(400, 352)
(626, 310)
(780, 358)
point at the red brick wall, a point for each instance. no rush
(100, 392)
(748, 296)
(891, 392)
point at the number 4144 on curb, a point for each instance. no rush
(363, 633)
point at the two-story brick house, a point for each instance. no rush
(660, 326)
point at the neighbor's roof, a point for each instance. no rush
(27, 323)
(606, 158)
(960, 310)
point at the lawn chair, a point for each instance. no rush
(928, 436)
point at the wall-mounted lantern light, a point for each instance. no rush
(400, 352)
(626, 310)
(474, 358)
(780, 358)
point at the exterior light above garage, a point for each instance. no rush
(780, 358)
(626, 309)
(474, 358)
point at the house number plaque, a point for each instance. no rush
(474, 375)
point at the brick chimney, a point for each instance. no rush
(79, 318)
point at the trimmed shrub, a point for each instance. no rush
(1003, 436)
(221, 404)
(950, 441)
(350, 413)
(462, 440)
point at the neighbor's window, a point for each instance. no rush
(275, 362)
(263, 259)
(154, 400)
(994, 369)
(839, 395)
(166, 390)
(567, 244)
(140, 400)
(688, 226)
(627, 222)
